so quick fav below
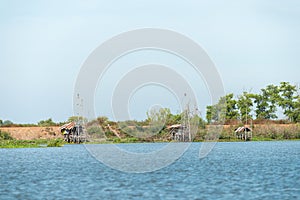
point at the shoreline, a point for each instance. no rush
(41, 136)
(12, 144)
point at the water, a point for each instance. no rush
(241, 170)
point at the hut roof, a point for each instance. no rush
(68, 126)
(175, 126)
(242, 129)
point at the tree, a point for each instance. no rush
(231, 107)
(266, 102)
(261, 106)
(296, 113)
(197, 120)
(209, 114)
(217, 112)
(289, 100)
(244, 105)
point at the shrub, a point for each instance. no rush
(5, 136)
(47, 122)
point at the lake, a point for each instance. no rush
(238, 170)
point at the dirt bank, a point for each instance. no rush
(30, 133)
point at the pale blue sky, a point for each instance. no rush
(44, 43)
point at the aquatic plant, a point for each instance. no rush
(55, 143)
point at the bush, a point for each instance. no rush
(94, 130)
(47, 122)
(5, 136)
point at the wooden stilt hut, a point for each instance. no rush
(179, 132)
(73, 133)
(243, 133)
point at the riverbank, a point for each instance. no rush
(12, 143)
(42, 143)
(24, 137)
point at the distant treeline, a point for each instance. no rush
(230, 109)
(261, 107)
(44, 123)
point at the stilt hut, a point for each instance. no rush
(243, 133)
(73, 133)
(178, 132)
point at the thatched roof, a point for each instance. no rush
(68, 126)
(174, 126)
(242, 129)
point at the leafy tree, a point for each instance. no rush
(209, 114)
(197, 120)
(245, 105)
(289, 100)
(212, 114)
(217, 112)
(266, 102)
(261, 106)
(231, 107)
(296, 113)
(1, 122)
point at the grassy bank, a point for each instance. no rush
(261, 132)
(31, 143)
(7, 141)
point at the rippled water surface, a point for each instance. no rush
(241, 170)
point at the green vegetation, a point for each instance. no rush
(55, 143)
(6, 141)
(6, 123)
(42, 123)
(21, 143)
(77, 118)
(30, 143)
(47, 122)
(5, 136)
(263, 105)
(231, 110)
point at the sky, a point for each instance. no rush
(43, 45)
